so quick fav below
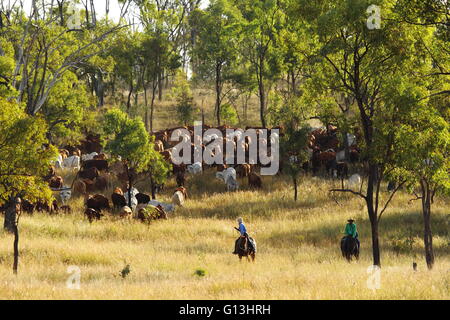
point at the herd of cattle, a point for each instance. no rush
(96, 172)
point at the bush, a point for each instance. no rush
(228, 115)
(200, 273)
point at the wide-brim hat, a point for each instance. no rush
(351, 220)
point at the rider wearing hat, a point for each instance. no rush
(351, 231)
(243, 234)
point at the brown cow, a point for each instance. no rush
(101, 183)
(101, 165)
(159, 146)
(79, 188)
(98, 203)
(167, 155)
(244, 170)
(66, 209)
(64, 153)
(56, 182)
(90, 185)
(91, 173)
(93, 214)
(254, 181)
(221, 167)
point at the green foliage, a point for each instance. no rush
(229, 115)
(23, 158)
(200, 273)
(129, 139)
(186, 109)
(293, 149)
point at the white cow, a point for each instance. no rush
(354, 181)
(351, 138)
(178, 199)
(232, 184)
(169, 208)
(340, 156)
(58, 162)
(134, 201)
(223, 176)
(65, 195)
(72, 162)
(87, 157)
(195, 168)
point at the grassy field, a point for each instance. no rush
(298, 249)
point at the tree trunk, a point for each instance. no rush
(160, 85)
(152, 106)
(11, 215)
(100, 90)
(373, 215)
(262, 93)
(218, 91)
(152, 186)
(427, 235)
(130, 185)
(16, 249)
(129, 97)
(146, 109)
(346, 146)
(295, 188)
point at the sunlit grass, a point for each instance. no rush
(298, 249)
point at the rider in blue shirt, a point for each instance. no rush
(243, 231)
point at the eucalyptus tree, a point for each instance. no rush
(362, 62)
(262, 23)
(216, 48)
(127, 137)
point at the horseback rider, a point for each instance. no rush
(243, 234)
(351, 231)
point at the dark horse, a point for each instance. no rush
(349, 248)
(247, 248)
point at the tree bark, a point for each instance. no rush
(262, 93)
(152, 186)
(218, 91)
(426, 211)
(130, 185)
(12, 215)
(129, 96)
(373, 215)
(16, 249)
(295, 189)
(152, 106)
(160, 85)
(146, 109)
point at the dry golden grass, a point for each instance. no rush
(298, 249)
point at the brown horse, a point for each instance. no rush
(245, 249)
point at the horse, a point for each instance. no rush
(349, 248)
(246, 250)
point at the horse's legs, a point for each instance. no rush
(253, 257)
